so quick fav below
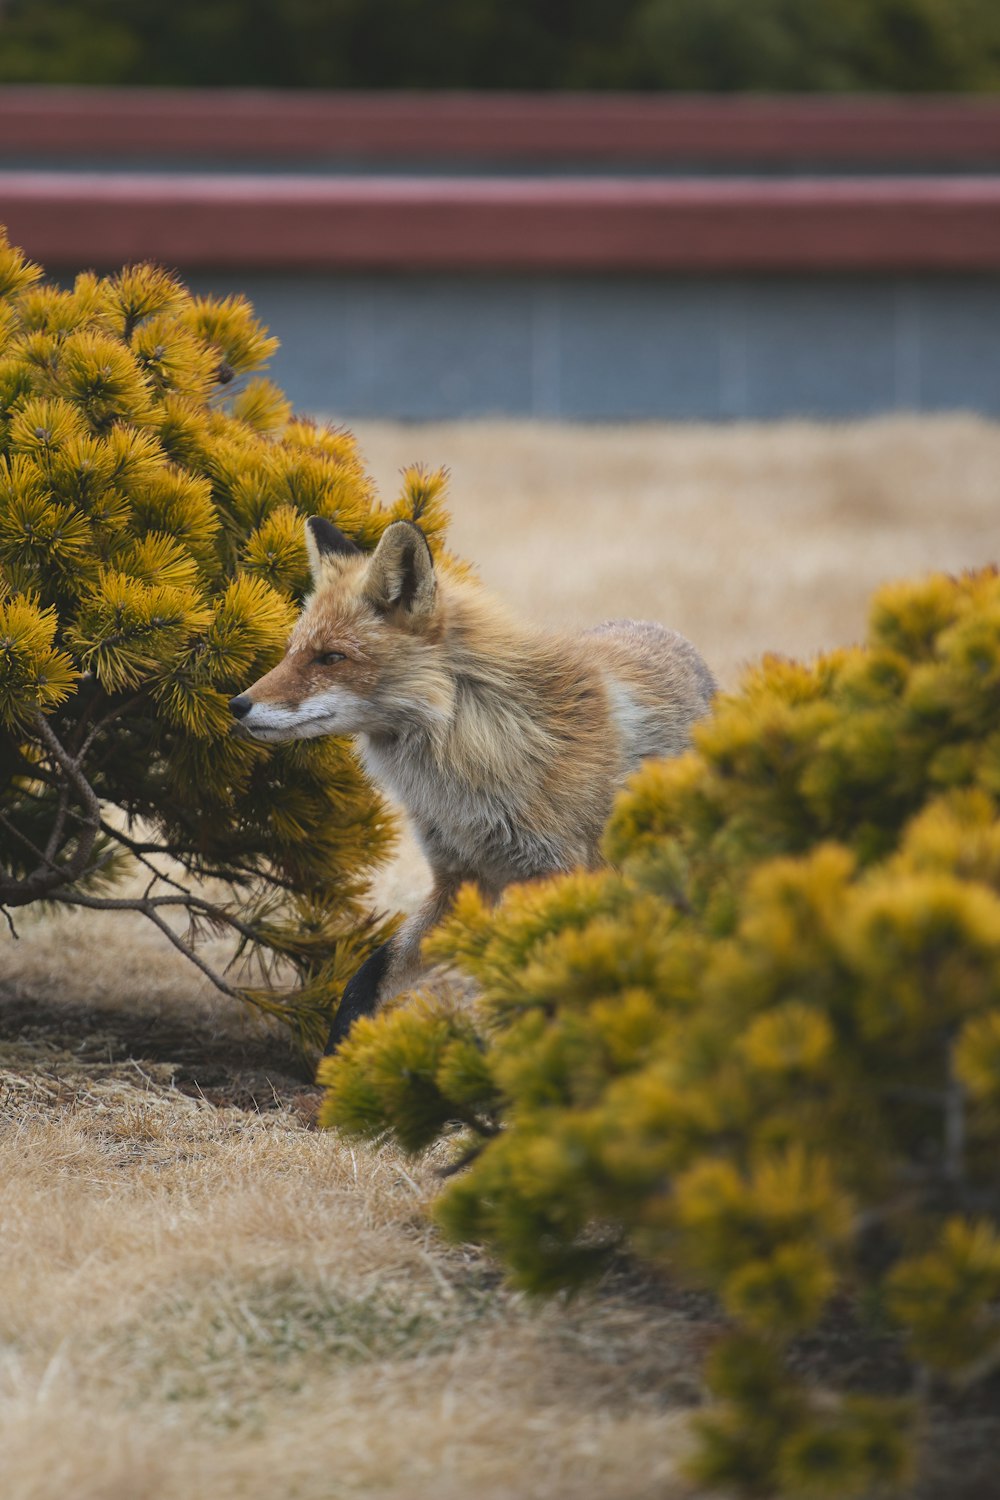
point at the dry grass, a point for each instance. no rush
(212, 1300)
(747, 539)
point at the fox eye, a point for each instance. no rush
(329, 658)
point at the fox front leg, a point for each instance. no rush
(362, 995)
(392, 967)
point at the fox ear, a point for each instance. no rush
(401, 572)
(323, 539)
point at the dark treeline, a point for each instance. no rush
(766, 45)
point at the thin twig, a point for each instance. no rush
(87, 714)
(108, 718)
(452, 1168)
(49, 881)
(954, 1125)
(28, 843)
(48, 877)
(58, 823)
(147, 908)
(134, 850)
(232, 874)
(189, 953)
(144, 904)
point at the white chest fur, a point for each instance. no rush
(473, 832)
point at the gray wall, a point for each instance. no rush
(617, 348)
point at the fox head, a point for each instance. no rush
(361, 658)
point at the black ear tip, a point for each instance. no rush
(330, 541)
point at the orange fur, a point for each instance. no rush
(505, 744)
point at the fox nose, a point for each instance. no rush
(240, 706)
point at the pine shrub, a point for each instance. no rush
(152, 559)
(762, 1048)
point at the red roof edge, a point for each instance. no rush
(238, 124)
(479, 224)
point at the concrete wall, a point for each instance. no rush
(630, 348)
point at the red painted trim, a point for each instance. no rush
(263, 125)
(472, 224)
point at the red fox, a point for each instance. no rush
(504, 744)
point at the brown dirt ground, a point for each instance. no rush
(200, 1294)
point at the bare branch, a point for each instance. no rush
(53, 880)
(465, 1159)
(954, 1125)
(138, 852)
(23, 838)
(108, 718)
(241, 875)
(147, 907)
(189, 953)
(48, 877)
(145, 904)
(87, 713)
(232, 873)
(58, 824)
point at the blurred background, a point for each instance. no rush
(699, 299)
(703, 45)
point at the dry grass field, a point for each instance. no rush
(201, 1296)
